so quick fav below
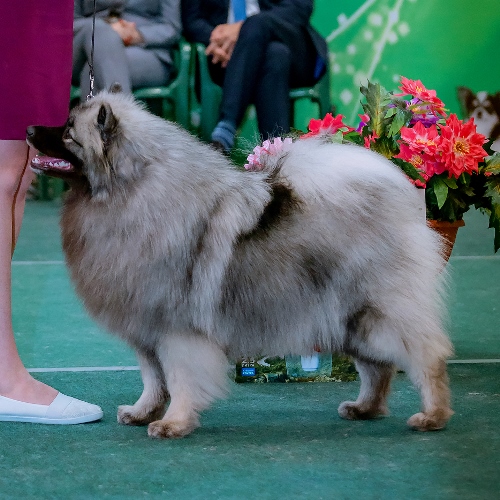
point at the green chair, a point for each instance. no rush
(174, 96)
(174, 99)
(207, 101)
(320, 94)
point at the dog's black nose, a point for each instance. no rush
(30, 131)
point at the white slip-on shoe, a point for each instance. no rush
(63, 410)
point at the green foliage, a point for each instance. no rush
(343, 368)
(441, 191)
(401, 119)
(387, 115)
(447, 198)
(492, 166)
(408, 169)
(354, 137)
(274, 369)
(492, 195)
(377, 100)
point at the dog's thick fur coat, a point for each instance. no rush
(192, 260)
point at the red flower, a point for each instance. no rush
(417, 89)
(461, 146)
(328, 125)
(370, 138)
(421, 139)
(427, 164)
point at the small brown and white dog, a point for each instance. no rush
(485, 109)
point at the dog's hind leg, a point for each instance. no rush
(420, 348)
(431, 379)
(375, 386)
(196, 372)
(422, 355)
(151, 405)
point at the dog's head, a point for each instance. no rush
(91, 151)
(484, 108)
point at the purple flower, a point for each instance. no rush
(423, 113)
(364, 119)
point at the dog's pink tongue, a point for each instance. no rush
(50, 162)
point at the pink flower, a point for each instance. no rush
(257, 160)
(328, 125)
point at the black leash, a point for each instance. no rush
(91, 62)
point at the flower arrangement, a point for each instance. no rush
(438, 152)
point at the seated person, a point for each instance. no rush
(256, 53)
(132, 43)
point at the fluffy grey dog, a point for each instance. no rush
(193, 261)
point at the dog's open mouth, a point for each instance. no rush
(50, 163)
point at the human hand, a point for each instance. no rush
(128, 32)
(222, 41)
(219, 55)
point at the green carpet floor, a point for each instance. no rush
(265, 441)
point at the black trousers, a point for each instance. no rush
(269, 58)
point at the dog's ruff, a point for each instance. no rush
(190, 260)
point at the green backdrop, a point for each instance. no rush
(443, 43)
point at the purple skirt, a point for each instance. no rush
(35, 64)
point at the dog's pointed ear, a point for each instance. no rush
(106, 120)
(465, 98)
(495, 100)
(115, 88)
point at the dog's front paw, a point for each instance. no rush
(168, 429)
(351, 410)
(130, 415)
(430, 421)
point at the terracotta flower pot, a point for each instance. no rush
(448, 231)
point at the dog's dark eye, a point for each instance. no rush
(69, 124)
(66, 135)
